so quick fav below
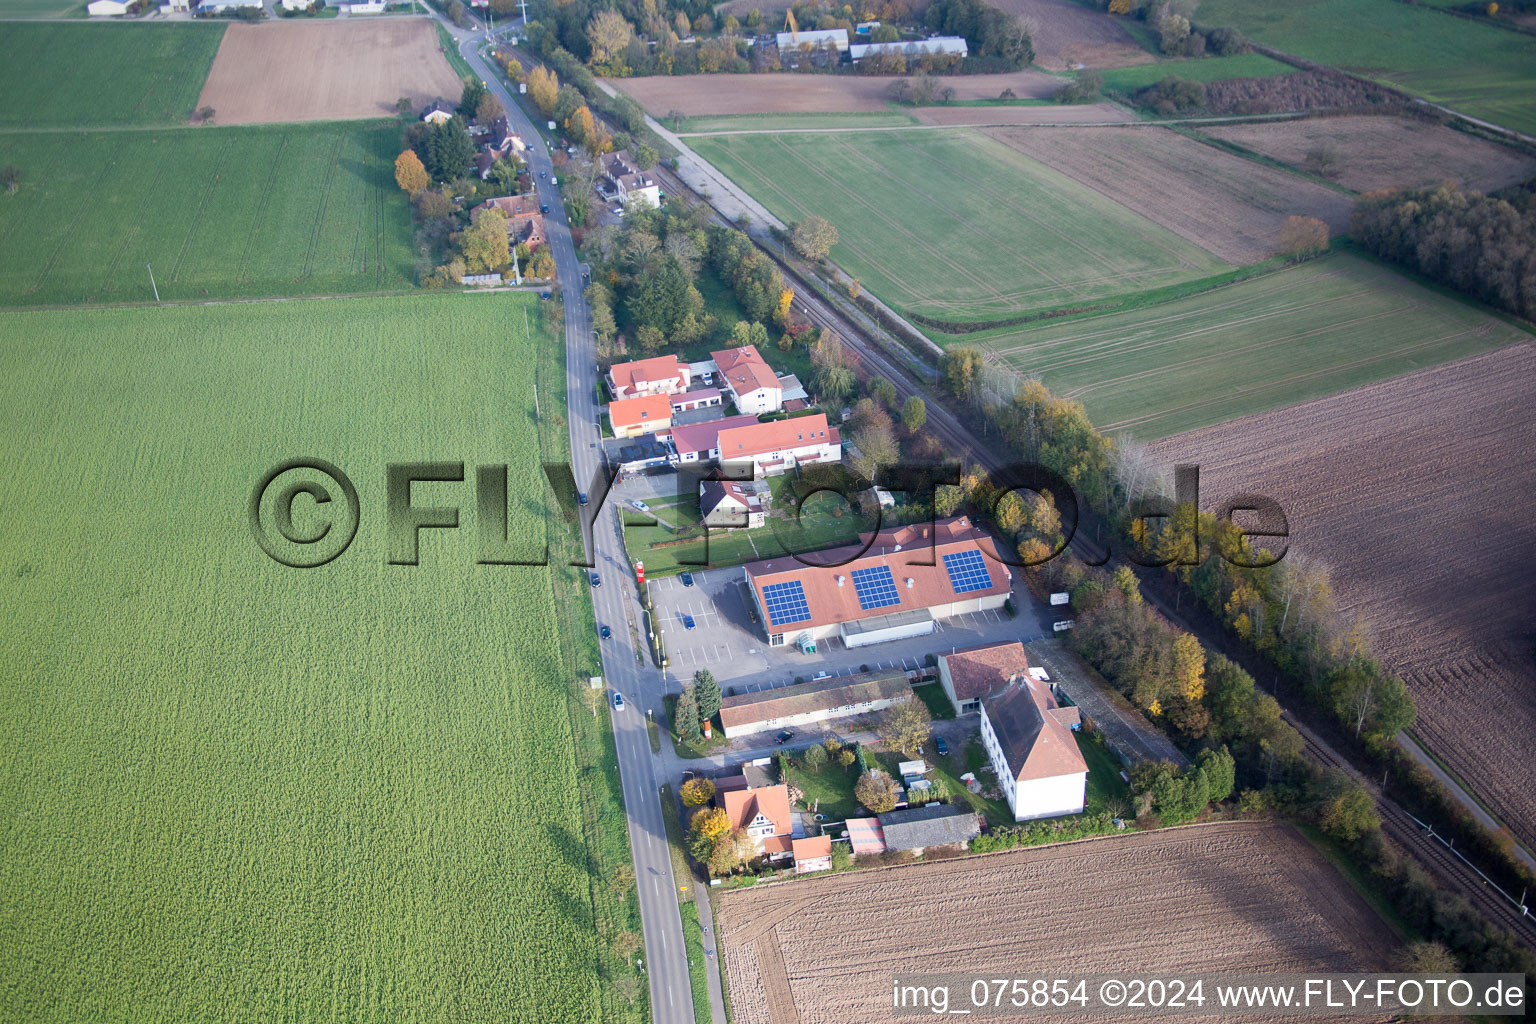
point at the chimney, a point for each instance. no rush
(910, 581)
(925, 533)
(841, 580)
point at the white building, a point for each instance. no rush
(625, 182)
(816, 40)
(778, 446)
(725, 504)
(805, 704)
(910, 48)
(1028, 739)
(106, 8)
(751, 382)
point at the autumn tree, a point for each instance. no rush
(815, 758)
(814, 237)
(882, 391)
(609, 32)
(962, 372)
(876, 790)
(488, 109)
(544, 88)
(485, 244)
(1349, 815)
(1302, 238)
(914, 414)
(580, 125)
(1322, 159)
(845, 758)
(707, 827)
(1189, 666)
(698, 791)
(410, 174)
(905, 726)
(731, 851)
(542, 266)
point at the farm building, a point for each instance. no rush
(910, 48)
(865, 836)
(765, 816)
(779, 446)
(816, 40)
(631, 417)
(812, 854)
(752, 384)
(1028, 739)
(106, 8)
(820, 700)
(659, 375)
(899, 583)
(922, 828)
(726, 504)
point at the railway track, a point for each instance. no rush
(1430, 851)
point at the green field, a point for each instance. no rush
(39, 8)
(820, 120)
(1205, 69)
(235, 791)
(79, 75)
(1477, 69)
(1286, 337)
(954, 225)
(217, 212)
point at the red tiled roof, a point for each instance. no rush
(777, 844)
(812, 848)
(1035, 740)
(745, 370)
(627, 376)
(866, 835)
(775, 436)
(741, 806)
(817, 695)
(981, 670)
(908, 551)
(646, 409)
(704, 437)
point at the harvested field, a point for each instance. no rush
(1067, 34)
(325, 70)
(1232, 896)
(1226, 205)
(1417, 492)
(1387, 152)
(695, 95)
(1086, 113)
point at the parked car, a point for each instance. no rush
(618, 211)
(597, 580)
(544, 295)
(687, 621)
(786, 736)
(642, 506)
(941, 746)
(605, 632)
(618, 702)
(687, 579)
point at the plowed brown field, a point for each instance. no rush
(1226, 897)
(1386, 152)
(696, 95)
(1417, 492)
(326, 70)
(1067, 34)
(1226, 205)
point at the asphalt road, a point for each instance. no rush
(626, 663)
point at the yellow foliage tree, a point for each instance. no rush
(1493, 10)
(1119, 6)
(711, 824)
(781, 311)
(1189, 666)
(544, 87)
(579, 125)
(410, 174)
(698, 791)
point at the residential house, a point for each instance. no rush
(439, 111)
(968, 676)
(525, 224)
(765, 815)
(631, 417)
(779, 445)
(895, 584)
(1029, 740)
(699, 398)
(622, 181)
(659, 375)
(812, 854)
(751, 382)
(923, 828)
(725, 505)
(820, 700)
(700, 442)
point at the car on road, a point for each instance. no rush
(642, 506)
(941, 746)
(687, 621)
(597, 580)
(581, 497)
(687, 579)
(618, 702)
(605, 632)
(543, 174)
(785, 736)
(544, 208)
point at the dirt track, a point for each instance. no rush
(1067, 34)
(1387, 152)
(1416, 491)
(1228, 897)
(697, 95)
(1222, 203)
(305, 70)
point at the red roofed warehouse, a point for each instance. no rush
(660, 375)
(906, 579)
(1027, 736)
(647, 414)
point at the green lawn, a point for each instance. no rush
(935, 700)
(830, 789)
(763, 122)
(954, 225)
(217, 212)
(83, 75)
(1270, 341)
(1203, 69)
(1480, 70)
(1105, 786)
(233, 789)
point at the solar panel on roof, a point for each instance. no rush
(786, 603)
(967, 571)
(875, 587)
